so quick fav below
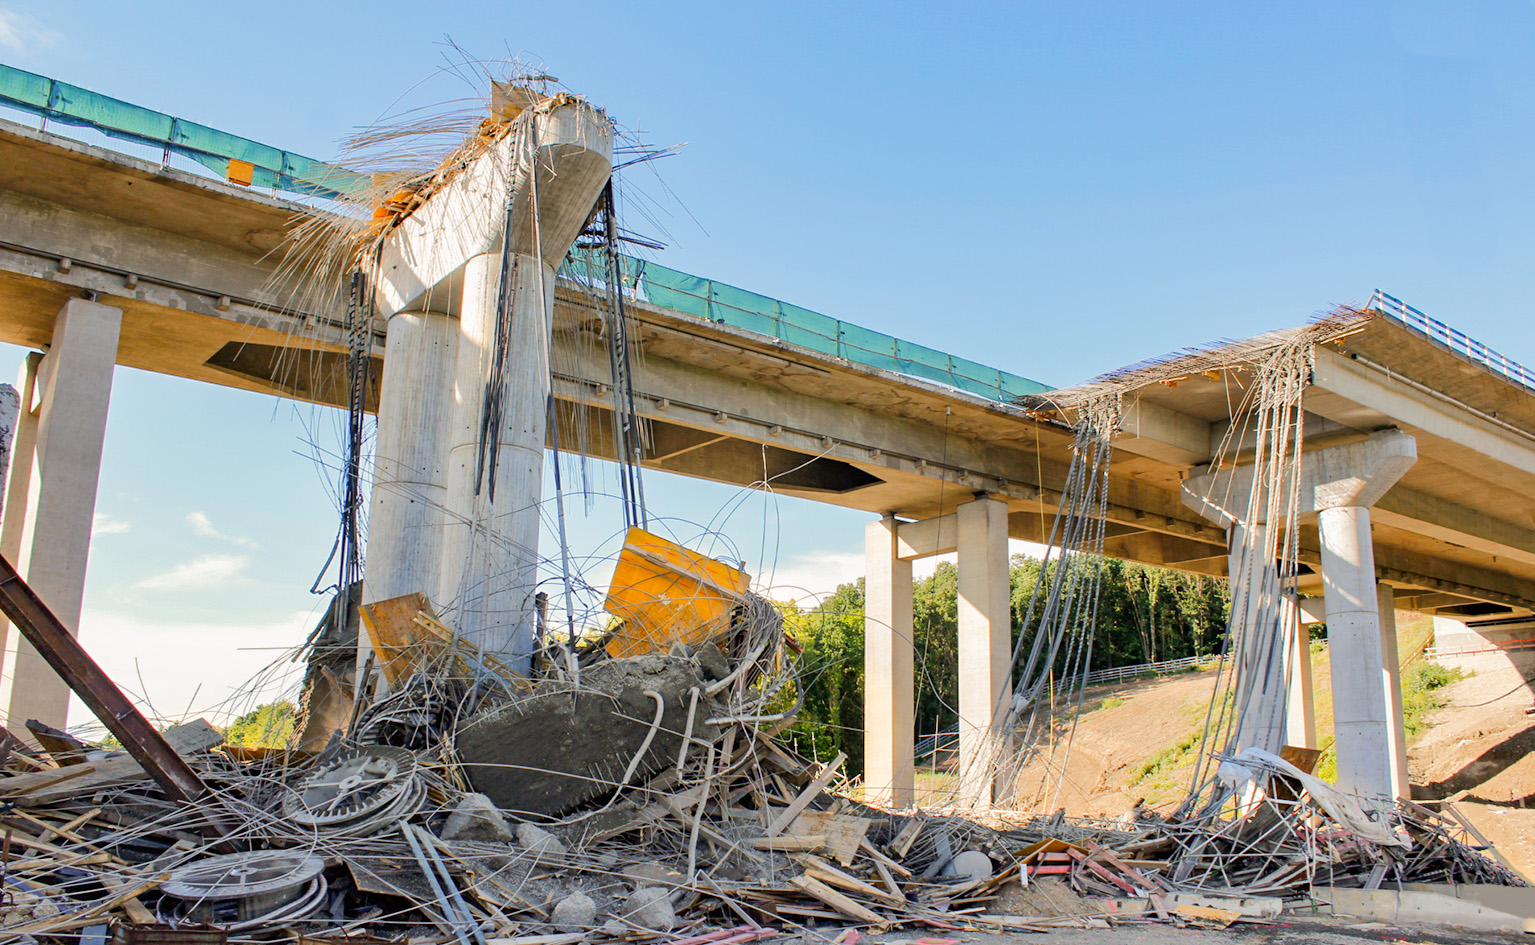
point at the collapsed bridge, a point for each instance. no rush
(107, 259)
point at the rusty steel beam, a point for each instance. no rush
(95, 688)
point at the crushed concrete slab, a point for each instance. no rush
(560, 747)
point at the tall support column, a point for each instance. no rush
(1360, 713)
(490, 552)
(76, 380)
(410, 469)
(18, 484)
(1391, 684)
(985, 644)
(889, 695)
(1300, 707)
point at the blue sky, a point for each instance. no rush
(1053, 189)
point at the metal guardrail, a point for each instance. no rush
(1470, 649)
(1458, 341)
(1121, 673)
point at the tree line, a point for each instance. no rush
(1145, 615)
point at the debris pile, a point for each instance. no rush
(641, 797)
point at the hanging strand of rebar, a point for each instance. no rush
(494, 397)
(627, 443)
(1061, 618)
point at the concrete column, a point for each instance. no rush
(18, 485)
(490, 548)
(410, 470)
(76, 382)
(985, 644)
(1391, 682)
(1300, 706)
(889, 697)
(1360, 713)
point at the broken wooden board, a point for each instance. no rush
(36, 788)
(841, 833)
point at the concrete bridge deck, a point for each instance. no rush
(190, 261)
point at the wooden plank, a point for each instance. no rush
(843, 832)
(136, 910)
(901, 845)
(44, 787)
(792, 844)
(78, 920)
(811, 791)
(819, 890)
(826, 873)
(880, 858)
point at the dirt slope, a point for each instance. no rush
(1479, 752)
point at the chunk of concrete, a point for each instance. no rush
(540, 842)
(560, 747)
(653, 874)
(651, 908)
(971, 864)
(477, 818)
(575, 913)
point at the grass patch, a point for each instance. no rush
(1112, 702)
(1421, 694)
(1168, 759)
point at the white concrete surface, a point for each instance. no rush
(410, 471)
(490, 547)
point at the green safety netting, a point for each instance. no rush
(668, 288)
(739, 308)
(214, 149)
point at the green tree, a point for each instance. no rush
(267, 726)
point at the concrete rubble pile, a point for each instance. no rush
(631, 790)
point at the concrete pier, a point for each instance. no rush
(1300, 705)
(1339, 484)
(522, 201)
(74, 381)
(889, 668)
(985, 644)
(1391, 684)
(1343, 484)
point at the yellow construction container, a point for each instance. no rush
(666, 594)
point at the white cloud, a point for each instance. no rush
(811, 576)
(22, 33)
(203, 527)
(179, 671)
(104, 524)
(203, 571)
